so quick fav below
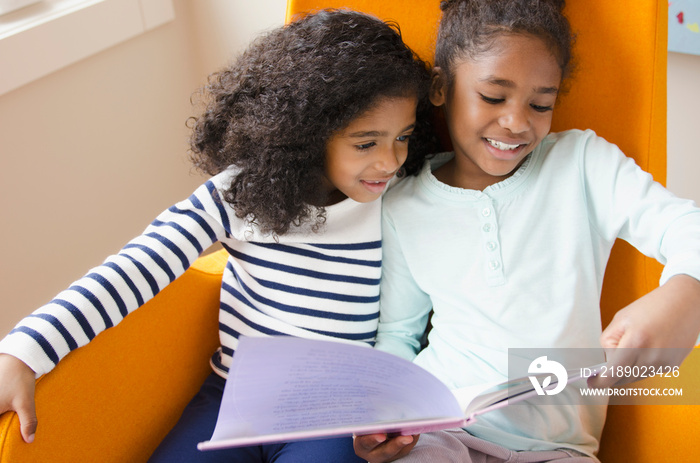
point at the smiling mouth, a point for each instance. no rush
(375, 183)
(375, 186)
(502, 146)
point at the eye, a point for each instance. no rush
(541, 109)
(365, 146)
(404, 138)
(490, 100)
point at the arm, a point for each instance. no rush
(104, 297)
(403, 307)
(662, 226)
(404, 310)
(668, 317)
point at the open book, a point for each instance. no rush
(282, 389)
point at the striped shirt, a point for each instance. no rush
(322, 285)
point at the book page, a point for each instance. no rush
(282, 384)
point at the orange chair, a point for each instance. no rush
(115, 399)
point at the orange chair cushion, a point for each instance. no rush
(115, 399)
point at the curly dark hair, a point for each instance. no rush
(271, 113)
(469, 27)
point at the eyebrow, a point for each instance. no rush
(510, 84)
(376, 133)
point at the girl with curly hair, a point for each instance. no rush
(522, 224)
(302, 135)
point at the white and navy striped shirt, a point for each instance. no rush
(322, 285)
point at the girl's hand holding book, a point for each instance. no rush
(381, 448)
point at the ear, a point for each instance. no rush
(438, 87)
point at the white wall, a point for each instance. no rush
(224, 27)
(684, 125)
(91, 153)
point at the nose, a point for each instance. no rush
(391, 158)
(515, 119)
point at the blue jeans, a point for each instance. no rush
(197, 424)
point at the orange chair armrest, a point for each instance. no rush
(115, 399)
(653, 433)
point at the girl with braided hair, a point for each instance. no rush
(506, 241)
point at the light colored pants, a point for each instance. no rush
(458, 446)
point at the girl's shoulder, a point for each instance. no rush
(423, 187)
(570, 136)
(585, 140)
(432, 162)
(438, 160)
(411, 181)
(584, 146)
(223, 179)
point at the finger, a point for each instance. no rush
(28, 422)
(608, 377)
(408, 445)
(393, 448)
(611, 337)
(399, 442)
(369, 442)
(616, 333)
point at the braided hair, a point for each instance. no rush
(469, 27)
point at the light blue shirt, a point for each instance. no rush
(521, 264)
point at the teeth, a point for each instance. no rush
(501, 146)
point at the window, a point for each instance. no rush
(43, 37)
